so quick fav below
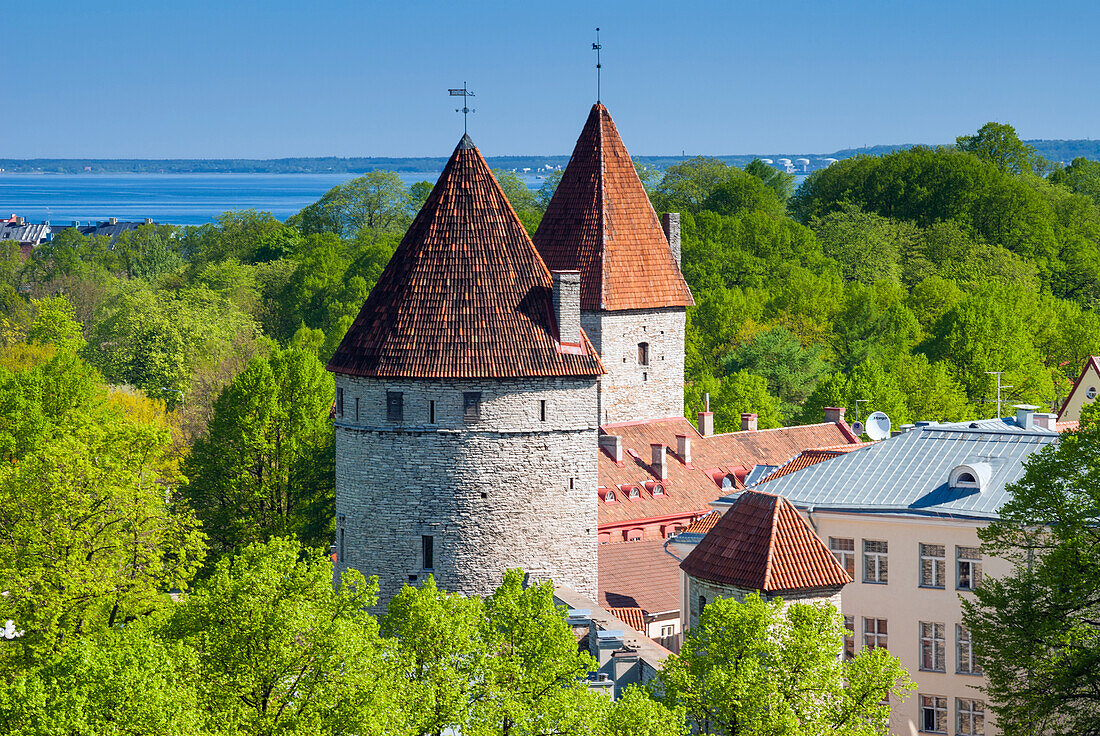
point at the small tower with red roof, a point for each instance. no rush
(465, 410)
(633, 297)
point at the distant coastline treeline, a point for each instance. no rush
(1052, 150)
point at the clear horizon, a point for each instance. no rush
(259, 80)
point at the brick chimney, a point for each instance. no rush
(834, 414)
(660, 463)
(567, 306)
(683, 448)
(670, 223)
(706, 418)
(612, 444)
(748, 422)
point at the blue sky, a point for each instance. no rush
(271, 78)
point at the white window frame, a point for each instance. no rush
(934, 644)
(937, 565)
(938, 705)
(877, 562)
(972, 565)
(846, 556)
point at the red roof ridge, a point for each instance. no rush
(788, 427)
(639, 422)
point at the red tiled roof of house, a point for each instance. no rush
(763, 543)
(638, 575)
(601, 223)
(806, 458)
(631, 615)
(691, 489)
(466, 295)
(1066, 426)
(704, 523)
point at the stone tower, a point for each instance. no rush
(633, 296)
(465, 405)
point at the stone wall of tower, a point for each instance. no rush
(631, 391)
(511, 489)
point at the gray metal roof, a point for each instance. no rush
(909, 472)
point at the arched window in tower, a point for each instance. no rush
(643, 353)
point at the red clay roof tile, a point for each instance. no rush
(806, 458)
(632, 616)
(763, 543)
(638, 575)
(466, 295)
(601, 223)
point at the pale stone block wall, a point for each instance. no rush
(696, 587)
(630, 391)
(509, 490)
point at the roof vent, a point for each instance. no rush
(612, 444)
(1025, 416)
(973, 476)
(748, 422)
(660, 464)
(683, 448)
(1048, 422)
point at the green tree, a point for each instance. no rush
(376, 202)
(55, 324)
(147, 251)
(1035, 630)
(731, 396)
(523, 200)
(262, 469)
(778, 181)
(761, 668)
(790, 369)
(999, 144)
(279, 649)
(867, 246)
(636, 713)
(1082, 176)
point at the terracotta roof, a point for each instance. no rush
(806, 458)
(465, 295)
(632, 616)
(690, 490)
(763, 543)
(601, 223)
(704, 523)
(638, 575)
(1066, 426)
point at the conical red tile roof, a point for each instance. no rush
(601, 223)
(465, 295)
(763, 543)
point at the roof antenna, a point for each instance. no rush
(596, 47)
(465, 110)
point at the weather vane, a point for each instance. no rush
(596, 47)
(465, 110)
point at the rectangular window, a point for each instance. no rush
(964, 652)
(356, 408)
(874, 632)
(844, 549)
(427, 550)
(395, 406)
(643, 353)
(933, 714)
(339, 401)
(970, 717)
(968, 560)
(542, 410)
(471, 406)
(431, 412)
(849, 637)
(874, 561)
(931, 565)
(340, 548)
(932, 646)
(668, 631)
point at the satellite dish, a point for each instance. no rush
(857, 428)
(878, 426)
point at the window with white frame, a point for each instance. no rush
(932, 646)
(932, 565)
(964, 652)
(844, 549)
(969, 717)
(968, 562)
(933, 714)
(874, 561)
(669, 630)
(874, 632)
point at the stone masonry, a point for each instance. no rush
(711, 591)
(513, 488)
(632, 391)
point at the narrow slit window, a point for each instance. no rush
(542, 410)
(471, 406)
(339, 401)
(643, 353)
(427, 549)
(356, 408)
(431, 412)
(395, 406)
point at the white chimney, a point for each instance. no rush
(567, 306)
(1025, 416)
(748, 422)
(613, 445)
(1047, 421)
(706, 418)
(683, 448)
(834, 414)
(660, 465)
(670, 223)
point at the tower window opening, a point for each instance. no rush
(571, 483)
(643, 353)
(339, 401)
(395, 406)
(427, 550)
(356, 408)
(340, 547)
(431, 412)
(542, 410)
(471, 406)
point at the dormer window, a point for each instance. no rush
(658, 490)
(966, 478)
(609, 497)
(1090, 393)
(727, 481)
(970, 476)
(633, 494)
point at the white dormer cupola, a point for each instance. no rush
(973, 476)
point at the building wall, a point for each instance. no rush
(510, 490)
(630, 391)
(695, 587)
(904, 604)
(1071, 410)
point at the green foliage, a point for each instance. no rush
(710, 184)
(998, 144)
(1082, 176)
(790, 369)
(374, 204)
(731, 396)
(761, 667)
(265, 467)
(55, 324)
(1035, 630)
(147, 252)
(867, 246)
(778, 181)
(523, 200)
